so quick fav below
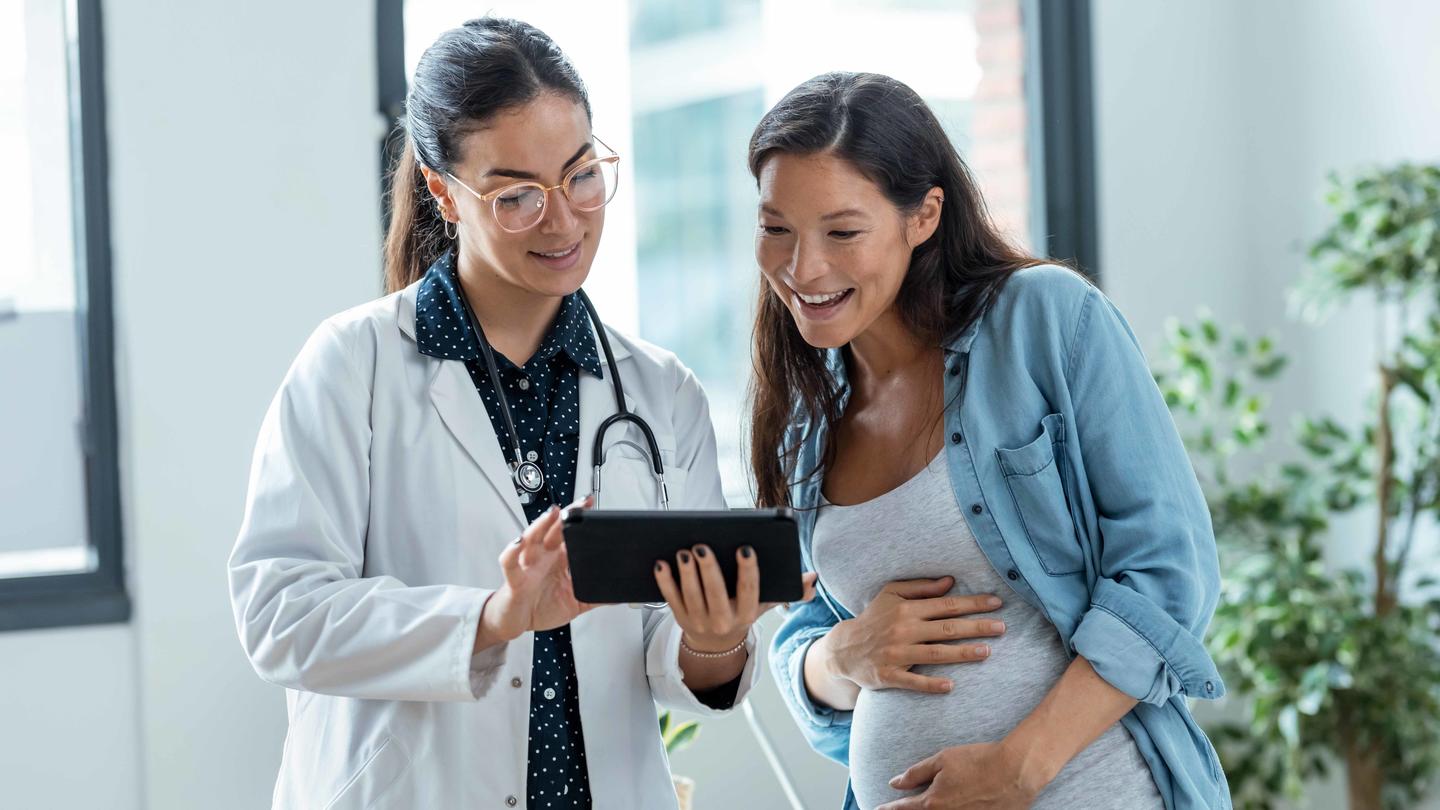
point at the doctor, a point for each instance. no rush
(432, 649)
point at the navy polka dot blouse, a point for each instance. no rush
(544, 396)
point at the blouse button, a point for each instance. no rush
(524, 384)
(532, 455)
(549, 694)
(516, 682)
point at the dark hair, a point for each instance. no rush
(886, 131)
(469, 75)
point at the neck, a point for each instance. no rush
(888, 349)
(515, 320)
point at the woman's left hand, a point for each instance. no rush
(986, 775)
(714, 622)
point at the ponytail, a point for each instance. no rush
(416, 237)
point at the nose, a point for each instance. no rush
(807, 264)
(558, 217)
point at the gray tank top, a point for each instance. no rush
(917, 531)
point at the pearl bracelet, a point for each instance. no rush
(687, 648)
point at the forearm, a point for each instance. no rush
(1079, 708)
(824, 687)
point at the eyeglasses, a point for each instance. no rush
(521, 206)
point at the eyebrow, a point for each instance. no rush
(848, 212)
(516, 173)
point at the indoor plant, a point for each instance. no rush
(1336, 664)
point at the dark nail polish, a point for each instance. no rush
(685, 557)
(659, 566)
(700, 551)
(747, 552)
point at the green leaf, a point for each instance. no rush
(683, 735)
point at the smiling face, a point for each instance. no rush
(832, 246)
(542, 141)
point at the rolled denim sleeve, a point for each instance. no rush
(826, 729)
(1159, 577)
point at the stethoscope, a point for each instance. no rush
(527, 475)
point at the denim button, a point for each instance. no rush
(1210, 687)
(1012, 574)
(977, 509)
(956, 437)
(955, 370)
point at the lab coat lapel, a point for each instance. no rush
(464, 414)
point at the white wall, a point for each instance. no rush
(244, 197)
(1217, 123)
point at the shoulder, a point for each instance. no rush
(1044, 304)
(650, 361)
(352, 339)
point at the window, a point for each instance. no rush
(59, 493)
(677, 87)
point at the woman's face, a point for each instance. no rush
(540, 141)
(832, 246)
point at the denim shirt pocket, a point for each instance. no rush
(1034, 475)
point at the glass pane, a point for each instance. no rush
(42, 483)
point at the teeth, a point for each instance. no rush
(817, 300)
(558, 254)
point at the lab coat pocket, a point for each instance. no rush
(380, 772)
(627, 481)
(1034, 475)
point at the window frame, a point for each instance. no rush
(98, 596)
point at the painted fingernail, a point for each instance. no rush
(747, 552)
(659, 566)
(685, 557)
(700, 551)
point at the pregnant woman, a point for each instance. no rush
(1016, 564)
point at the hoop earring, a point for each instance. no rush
(448, 234)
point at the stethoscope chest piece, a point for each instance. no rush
(529, 478)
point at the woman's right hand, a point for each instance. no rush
(538, 593)
(905, 625)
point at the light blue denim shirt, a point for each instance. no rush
(1074, 481)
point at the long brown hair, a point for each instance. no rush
(470, 74)
(884, 129)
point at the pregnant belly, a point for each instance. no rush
(893, 729)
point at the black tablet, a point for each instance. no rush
(613, 552)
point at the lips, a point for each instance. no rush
(821, 306)
(561, 258)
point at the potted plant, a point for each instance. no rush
(676, 737)
(1336, 665)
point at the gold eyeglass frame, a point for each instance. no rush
(493, 198)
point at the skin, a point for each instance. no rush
(824, 227)
(516, 296)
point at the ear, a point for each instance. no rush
(922, 224)
(440, 190)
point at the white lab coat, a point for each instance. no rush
(379, 502)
